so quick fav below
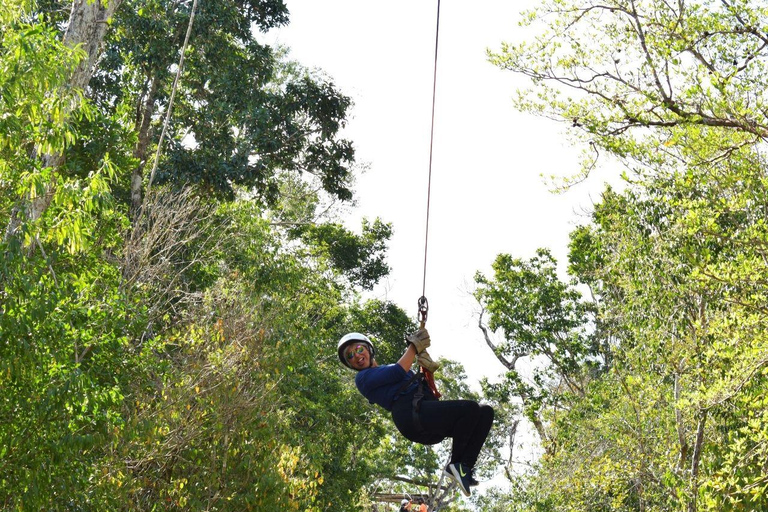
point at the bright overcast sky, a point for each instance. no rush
(488, 195)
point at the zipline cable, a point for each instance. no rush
(176, 80)
(423, 306)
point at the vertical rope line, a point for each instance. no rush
(431, 139)
(173, 95)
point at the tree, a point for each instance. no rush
(539, 318)
(243, 112)
(361, 257)
(165, 365)
(660, 77)
(84, 32)
(675, 93)
(63, 319)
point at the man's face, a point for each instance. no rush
(358, 356)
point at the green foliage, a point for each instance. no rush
(34, 67)
(176, 350)
(738, 480)
(645, 435)
(361, 257)
(534, 310)
(65, 360)
(545, 346)
(186, 359)
(674, 261)
(64, 324)
(243, 114)
(657, 75)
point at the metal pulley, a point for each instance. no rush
(423, 310)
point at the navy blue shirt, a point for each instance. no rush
(381, 385)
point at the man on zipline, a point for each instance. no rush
(421, 419)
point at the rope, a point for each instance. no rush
(173, 95)
(431, 139)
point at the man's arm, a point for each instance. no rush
(406, 361)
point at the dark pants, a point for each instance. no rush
(466, 422)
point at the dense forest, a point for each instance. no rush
(176, 271)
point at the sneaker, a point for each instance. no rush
(472, 481)
(462, 475)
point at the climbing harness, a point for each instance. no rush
(421, 376)
(418, 395)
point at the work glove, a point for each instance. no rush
(419, 339)
(426, 362)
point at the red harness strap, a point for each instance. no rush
(431, 383)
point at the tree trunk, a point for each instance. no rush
(697, 449)
(143, 128)
(87, 27)
(679, 420)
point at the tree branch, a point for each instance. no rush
(510, 365)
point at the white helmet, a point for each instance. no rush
(351, 338)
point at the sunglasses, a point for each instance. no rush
(359, 349)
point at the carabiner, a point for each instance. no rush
(423, 310)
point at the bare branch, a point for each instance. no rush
(510, 365)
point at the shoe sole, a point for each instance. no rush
(457, 478)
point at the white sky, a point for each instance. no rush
(488, 195)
